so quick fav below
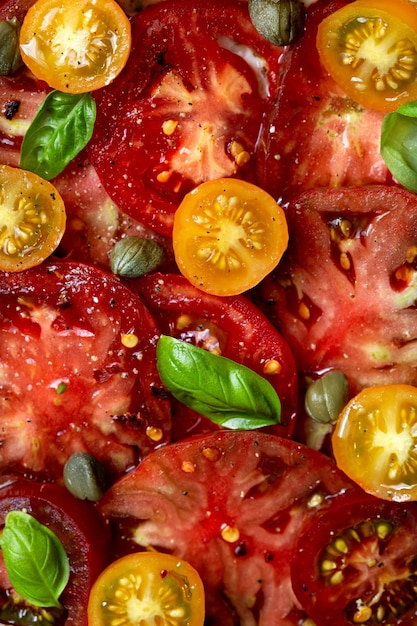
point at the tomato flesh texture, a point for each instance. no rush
(81, 529)
(231, 504)
(344, 297)
(193, 104)
(84, 347)
(370, 49)
(76, 47)
(355, 563)
(315, 135)
(228, 234)
(146, 587)
(376, 430)
(33, 219)
(230, 326)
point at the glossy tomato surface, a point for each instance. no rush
(84, 536)
(230, 326)
(315, 134)
(78, 371)
(232, 504)
(355, 563)
(193, 96)
(344, 296)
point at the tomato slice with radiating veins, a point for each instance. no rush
(77, 371)
(187, 108)
(356, 563)
(231, 326)
(315, 134)
(344, 295)
(83, 534)
(231, 504)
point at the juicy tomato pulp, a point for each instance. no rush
(232, 504)
(85, 538)
(32, 215)
(75, 46)
(344, 295)
(147, 588)
(228, 235)
(194, 92)
(230, 326)
(79, 344)
(355, 563)
(370, 49)
(374, 441)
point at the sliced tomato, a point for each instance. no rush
(232, 505)
(370, 49)
(344, 294)
(231, 326)
(374, 441)
(315, 134)
(147, 588)
(194, 94)
(75, 46)
(228, 235)
(77, 370)
(85, 538)
(355, 563)
(33, 219)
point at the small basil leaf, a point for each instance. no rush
(398, 144)
(61, 128)
(225, 392)
(35, 559)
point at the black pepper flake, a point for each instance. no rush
(11, 108)
(241, 549)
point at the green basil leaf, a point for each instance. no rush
(398, 144)
(61, 128)
(35, 559)
(225, 392)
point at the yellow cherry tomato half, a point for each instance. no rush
(369, 47)
(147, 588)
(228, 234)
(375, 441)
(75, 46)
(32, 219)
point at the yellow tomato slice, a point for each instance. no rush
(32, 219)
(228, 234)
(369, 47)
(75, 45)
(375, 441)
(147, 588)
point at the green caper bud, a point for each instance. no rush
(326, 397)
(10, 59)
(84, 477)
(133, 256)
(281, 22)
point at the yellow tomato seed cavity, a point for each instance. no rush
(272, 367)
(230, 534)
(155, 434)
(188, 467)
(129, 340)
(169, 127)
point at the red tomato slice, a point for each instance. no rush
(232, 505)
(80, 528)
(355, 563)
(77, 370)
(231, 326)
(194, 94)
(316, 136)
(344, 296)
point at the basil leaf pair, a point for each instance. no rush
(61, 128)
(36, 562)
(398, 144)
(225, 392)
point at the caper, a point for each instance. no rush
(281, 22)
(133, 256)
(326, 397)
(84, 476)
(10, 59)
